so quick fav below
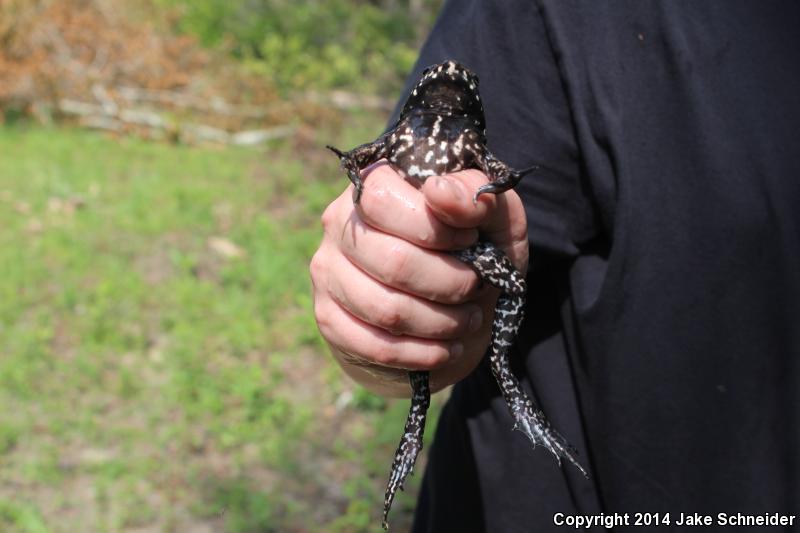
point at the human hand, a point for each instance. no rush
(387, 296)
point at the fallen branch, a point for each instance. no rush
(188, 101)
(112, 118)
(346, 100)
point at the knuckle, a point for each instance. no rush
(392, 315)
(328, 217)
(322, 314)
(386, 357)
(316, 267)
(395, 265)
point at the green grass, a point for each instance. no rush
(149, 380)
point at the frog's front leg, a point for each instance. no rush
(358, 159)
(411, 442)
(501, 176)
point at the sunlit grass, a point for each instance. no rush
(159, 362)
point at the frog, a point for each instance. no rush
(441, 129)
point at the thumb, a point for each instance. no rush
(499, 218)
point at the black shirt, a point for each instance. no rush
(663, 337)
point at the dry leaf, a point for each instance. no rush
(226, 248)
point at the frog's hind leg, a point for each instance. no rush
(411, 442)
(496, 269)
(528, 418)
(360, 157)
(501, 176)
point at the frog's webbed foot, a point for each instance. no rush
(531, 421)
(411, 442)
(359, 158)
(501, 176)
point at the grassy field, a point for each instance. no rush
(160, 369)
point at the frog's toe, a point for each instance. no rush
(539, 432)
(335, 150)
(357, 190)
(484, 189)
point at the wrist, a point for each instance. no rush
(381, 380)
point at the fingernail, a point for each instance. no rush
(457, 349)
(451, 188)
(476, 319)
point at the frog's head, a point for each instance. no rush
(448, 88)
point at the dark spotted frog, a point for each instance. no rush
(442, 129)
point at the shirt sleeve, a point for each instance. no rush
(527, 112)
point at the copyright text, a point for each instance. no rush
(612, 520)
